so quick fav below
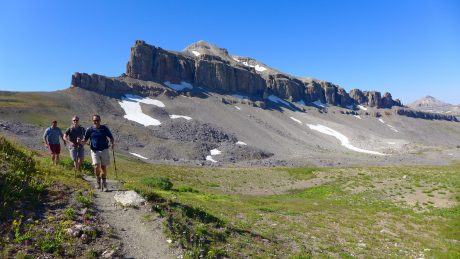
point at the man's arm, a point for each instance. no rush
(87, 136)
(45, 139)
(62, 136)
(109, 134)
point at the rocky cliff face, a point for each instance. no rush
(206, 65)
(425, 115)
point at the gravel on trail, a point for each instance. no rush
(139, 229)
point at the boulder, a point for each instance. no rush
(129, 198)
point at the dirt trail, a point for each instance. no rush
(138, 229)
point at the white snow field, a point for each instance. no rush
(196, 53)
(276, 99)
(215, 152)
(131, 104)
(137, 155)
(209, 158)
(241, 143)
(362, 108)
(173, 116)
(342, 138)
(179, 87)
(296, 120)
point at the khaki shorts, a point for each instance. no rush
(100, 157)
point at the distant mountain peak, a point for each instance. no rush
(203, 47)
(428, 101)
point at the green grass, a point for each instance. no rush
(325, 220)
(28, 180)
(256, 212)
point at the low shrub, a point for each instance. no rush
(160, 182)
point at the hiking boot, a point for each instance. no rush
(104, 185)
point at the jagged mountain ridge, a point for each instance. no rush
(206, 65)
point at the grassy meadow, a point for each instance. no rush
(305, 212)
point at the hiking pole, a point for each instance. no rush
(116, 171)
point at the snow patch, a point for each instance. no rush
(137, 98)
(179, 87)
(296, 120)
(362, 108)
(260, 68)
(140, 156)
(241, 143)
(257, 67)
(357, 116)
(319, 104)
(276, 99)
(342, 138)
(196, 53)
(240, 96)
(173, 116)
(131, 105)
(238, 108)
(215, 152)
(209, 158)
(391, 127)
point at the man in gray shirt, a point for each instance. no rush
(75, 134)
(51, 139)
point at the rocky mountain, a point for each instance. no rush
(205, 65)
(430, 104)
(206, 106)
(428, 101)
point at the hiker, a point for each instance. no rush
(51, 139)
(74, 135)
(99, 144)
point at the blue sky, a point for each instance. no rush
(408, 48)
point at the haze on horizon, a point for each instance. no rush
(408, 48)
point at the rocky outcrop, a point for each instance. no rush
(99, 83)
(206, 65)
(425, 115)
(117, 86)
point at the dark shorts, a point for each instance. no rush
(77, 152)
(55, 148)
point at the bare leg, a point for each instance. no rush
(57, 159)
(97, 171)
(53, 158)
(104, 177)
(79, 162)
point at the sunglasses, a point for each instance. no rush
(96, 120)
(74, 120)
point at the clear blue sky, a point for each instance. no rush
(409, 48)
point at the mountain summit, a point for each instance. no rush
(428, 101)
